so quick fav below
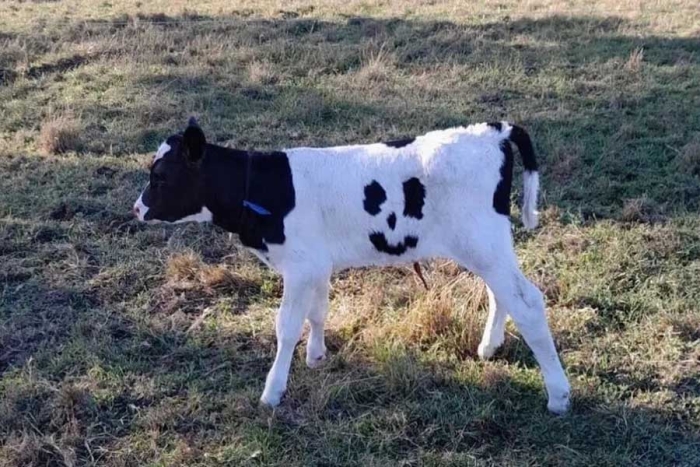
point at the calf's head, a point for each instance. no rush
(175, 191)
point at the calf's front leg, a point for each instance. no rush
(316, 346)
(300, 293)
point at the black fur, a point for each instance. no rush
(380, 242)
(194, 174)
(391, 220)
(399, 143)
(375, 196)
(518, 136)
(498, 126)
(270, 186)
(524, 144)
(414, 198)
(174, 190)
(501, 197)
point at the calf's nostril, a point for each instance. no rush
(136, 211)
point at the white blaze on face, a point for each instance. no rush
(162, 151)
(140, 209)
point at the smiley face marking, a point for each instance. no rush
(414, 200)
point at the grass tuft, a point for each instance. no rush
(376, 67)
(635, 61)
(689, 158)
(448, 318)
(641, 209)
(262, 73)
(60, 134)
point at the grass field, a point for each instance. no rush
(126, 345)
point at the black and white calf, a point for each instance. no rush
(307, 212)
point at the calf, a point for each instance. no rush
(307, 212)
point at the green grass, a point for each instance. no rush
(125, 345)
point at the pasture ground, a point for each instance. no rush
(122, 345)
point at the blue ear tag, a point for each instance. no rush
(257, 208)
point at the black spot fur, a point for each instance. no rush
(391, 220)
(414, 198)
(272, 187)
(498, 126)
(501, 197)
(375, 196)
(400, 143)
(380, 242)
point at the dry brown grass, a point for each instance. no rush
(635, 61)
(32, 450)
(60, 134)
(641, 209)
(377, 66)
(262, 73)
(449, 318)
(189, 268)
(565, 161)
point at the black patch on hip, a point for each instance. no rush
(375, 196)
(380, 242)
(501, 197)
(414, 198)
(399, 143)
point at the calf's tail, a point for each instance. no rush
(531, 179)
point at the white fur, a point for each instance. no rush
(329, 230)
(162, 151)
(531, 184)
(140, 209)
(204, 215)
(494, 332)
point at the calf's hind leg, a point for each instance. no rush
(525, 304)
(494, 332)
(516, 296)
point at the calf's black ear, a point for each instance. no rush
(194, 141)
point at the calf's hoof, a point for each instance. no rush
(486, 351)
(559, 404)
(272, 398)
(316, 362)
